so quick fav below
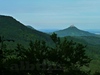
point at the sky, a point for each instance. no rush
(54, 14)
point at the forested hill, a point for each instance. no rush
(73, 31)
(10, 28)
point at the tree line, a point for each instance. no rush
(63, 58)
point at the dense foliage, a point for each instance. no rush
(13, 29)
(65, 58)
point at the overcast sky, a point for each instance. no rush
(54, 14)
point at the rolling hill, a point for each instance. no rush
(10, 28)
(73, 31)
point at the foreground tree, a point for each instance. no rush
(64, 58)
(96, 73)
(3, 54)
(70, 56)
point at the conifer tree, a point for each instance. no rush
(72, 55)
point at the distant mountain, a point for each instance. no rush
(10, 28)
(73, 31)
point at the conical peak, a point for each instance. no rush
(72, 26)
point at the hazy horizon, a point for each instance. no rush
(54, 14)
(96, 31)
